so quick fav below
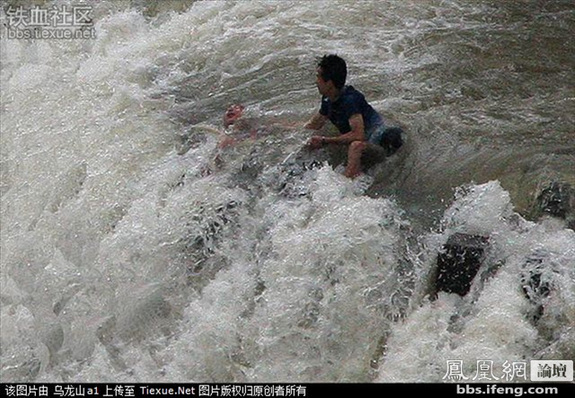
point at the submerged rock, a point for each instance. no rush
(459, 262)
(535, 284)
(556, 200)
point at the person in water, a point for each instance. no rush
(241, 124)
(232, 114)
(360, 126)
(237, 128)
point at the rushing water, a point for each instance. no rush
(129, 253)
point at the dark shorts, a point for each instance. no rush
(383, 142)
(390, 138)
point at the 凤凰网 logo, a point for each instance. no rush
(514, 371)
(551, 370)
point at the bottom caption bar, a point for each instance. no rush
(262, 390)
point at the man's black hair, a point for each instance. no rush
(333, 68)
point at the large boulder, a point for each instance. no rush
(458, 263)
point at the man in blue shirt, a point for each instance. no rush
(360, 126)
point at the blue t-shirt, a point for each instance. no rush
(349, 103)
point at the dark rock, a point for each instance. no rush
(291, 182)
(555, 200)
(208, 227)
(535, 282)
(458, 263)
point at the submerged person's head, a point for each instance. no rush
(233, 113)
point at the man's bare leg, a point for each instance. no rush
(358, 150)
(354, 152)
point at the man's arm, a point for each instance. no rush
(357, 132)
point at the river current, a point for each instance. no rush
(133, 249)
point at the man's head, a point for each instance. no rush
(233, 113)
(331, 71)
